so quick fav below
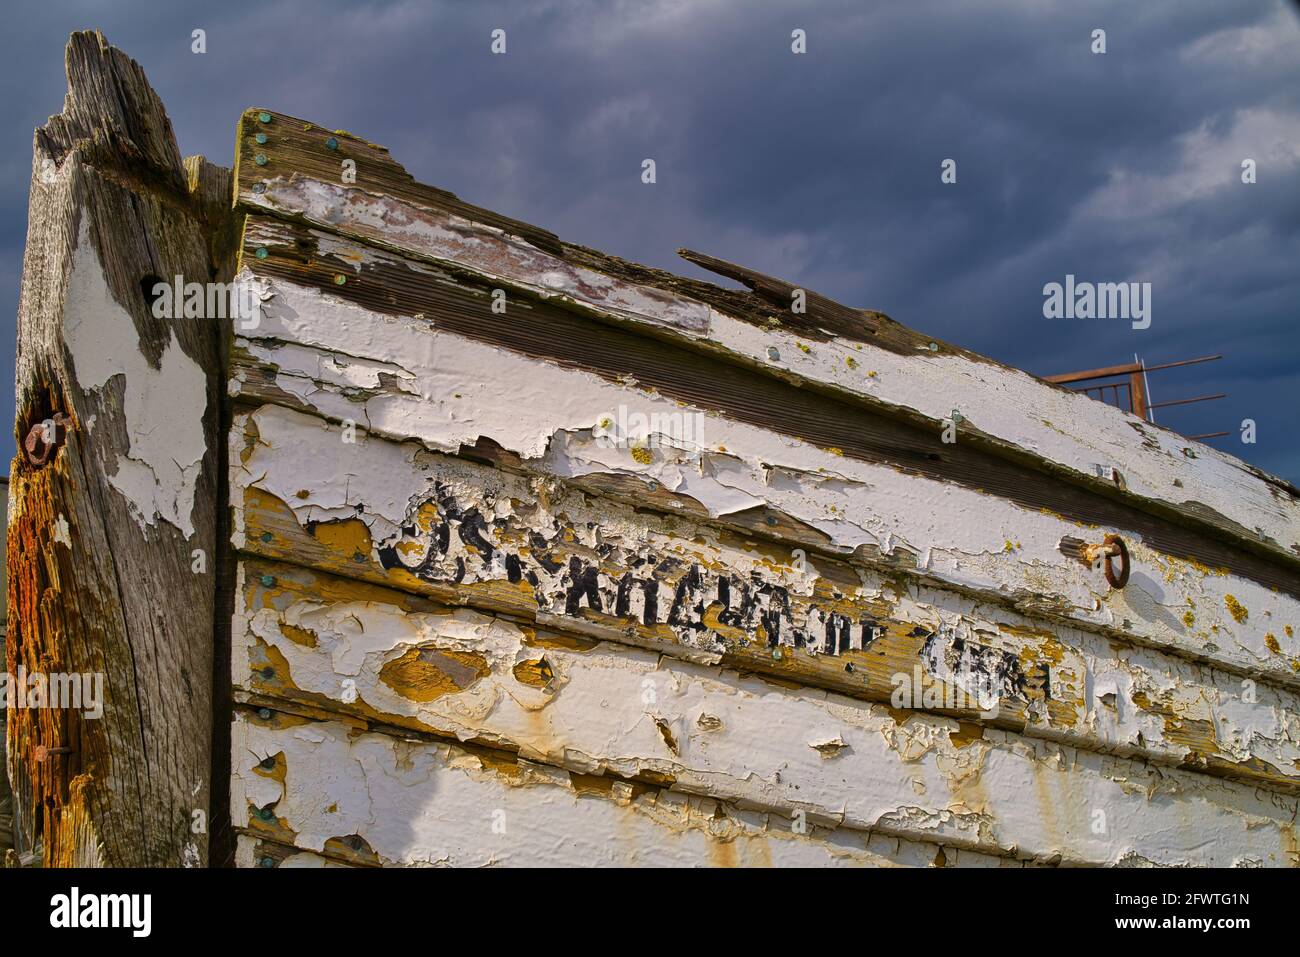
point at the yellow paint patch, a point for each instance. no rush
(535, 672)
(965, 733)
(299, 636)
(349, 537)
(425, 674)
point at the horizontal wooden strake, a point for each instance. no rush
(854, 355)
(423, 801)
(395, 376)
(468, 534)
(312, 638)
(388, 285)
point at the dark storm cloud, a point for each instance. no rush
(821, 168)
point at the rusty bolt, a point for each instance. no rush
(44, 437)
(42, 752)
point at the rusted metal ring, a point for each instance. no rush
(1120, 580)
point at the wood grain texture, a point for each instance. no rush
(104, 537)
(854, 355)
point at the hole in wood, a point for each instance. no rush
(147, 286)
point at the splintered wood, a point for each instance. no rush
(113, 490)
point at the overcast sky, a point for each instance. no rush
(821, 168)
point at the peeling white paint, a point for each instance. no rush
(1015, 408)
(464, 389)
(426, 803)
(163, 407)
(384, 485)
(61, 532)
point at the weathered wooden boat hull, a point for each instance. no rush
(523, 554)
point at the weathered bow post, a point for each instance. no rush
(474, 546)
(113, 521)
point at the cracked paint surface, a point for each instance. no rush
(409, 516)
(1010, 406)
(425, 802)
(512, 631)
(454, 390)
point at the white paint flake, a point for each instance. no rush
(163, 406)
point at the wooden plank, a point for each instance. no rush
(389, 287)
(113, 522)
(854, 354)
(407, 800)
(317, 641)
(447, 392)
(419, 803)
(532, 549)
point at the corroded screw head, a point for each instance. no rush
(261, 252)
(267, 536)
(259, 188)
(267, 862)
(266, 764)
(331, 144)
(340, 279)
(264, 714)
(268, 672)
(260, 159)
(264, 117)
(260, 138)
(267, 581)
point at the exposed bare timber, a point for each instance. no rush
(111, 541)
